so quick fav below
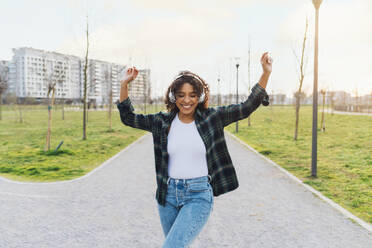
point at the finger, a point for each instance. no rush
(263, 55)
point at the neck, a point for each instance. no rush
(186, 118)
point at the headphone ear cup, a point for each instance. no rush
(202, 97)
(172, 99)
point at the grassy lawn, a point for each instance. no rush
(21, 144)
(344, 152)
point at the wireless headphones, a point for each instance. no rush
(171, 96)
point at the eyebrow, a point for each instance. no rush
(193, 92)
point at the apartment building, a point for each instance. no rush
(32, 70)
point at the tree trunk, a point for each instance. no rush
(302, 75)
(297, 116)
(47, 143)
(49, 131)
(20, 113)
(85, 88)
(63, 109)
(110, 110)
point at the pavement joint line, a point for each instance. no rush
(336, 206)
(86, 175)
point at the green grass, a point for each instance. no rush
(344, 152)
(22, 155)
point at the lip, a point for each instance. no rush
(189, 106)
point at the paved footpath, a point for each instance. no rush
(115, 206)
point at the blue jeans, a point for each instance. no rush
(189, 203)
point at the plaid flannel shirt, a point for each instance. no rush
(210, 123)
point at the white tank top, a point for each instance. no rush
(187, 153)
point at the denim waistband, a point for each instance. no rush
(189, 180)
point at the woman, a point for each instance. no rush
(191, 158)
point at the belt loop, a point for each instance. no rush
(168, 180)
(210, 178)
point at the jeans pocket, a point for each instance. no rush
(198, 187)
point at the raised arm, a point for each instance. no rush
(127, 115)
(235, 112)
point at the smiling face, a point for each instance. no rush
(187, 100)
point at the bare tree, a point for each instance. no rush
(3, 85)
(301, 79)
(51, 89)
(108, 80)
(63, 109)
(20, 109)
(53, 74)
(85, 86)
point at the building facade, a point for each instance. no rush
(31, 71)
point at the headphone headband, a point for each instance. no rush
(189, 75)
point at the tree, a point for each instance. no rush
(108, 80)
(53, 74)
(301, 79)
(63, 109)
(85, 87)
(3, 85)
(19, 104)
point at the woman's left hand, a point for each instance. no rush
(266, 62)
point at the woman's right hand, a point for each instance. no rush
(129, 75)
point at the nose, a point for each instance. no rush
(187, 99)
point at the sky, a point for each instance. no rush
(204, 37)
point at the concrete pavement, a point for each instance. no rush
(115, 206)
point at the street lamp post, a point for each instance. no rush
(315, 93)
(237, 91)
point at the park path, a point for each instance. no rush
(115, 206)
(344, 112)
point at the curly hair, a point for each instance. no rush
(196, 81)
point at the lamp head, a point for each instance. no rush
(237, 60)
(317, 3)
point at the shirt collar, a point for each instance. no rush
(172, 115)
